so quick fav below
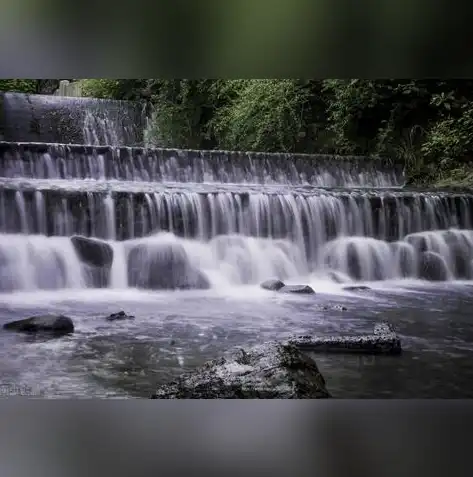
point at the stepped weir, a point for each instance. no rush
(61, 119)
(73, 166)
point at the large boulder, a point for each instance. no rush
(97, 257)
(461, 252)
(297, 289)
(355, 269)
(93, 252)
(163, 266)
(269, 371)
(404, 256)
(418, 241)
(57, 325)
(432, 267)
(272, 285)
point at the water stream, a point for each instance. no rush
(231, 220)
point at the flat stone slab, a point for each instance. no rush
(269, 371)
(384, 340)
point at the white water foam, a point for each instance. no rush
(34, 262)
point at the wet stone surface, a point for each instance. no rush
(269, 371)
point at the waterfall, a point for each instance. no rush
(112, 162)
(198, 219)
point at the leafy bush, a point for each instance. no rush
(427, 124)
(261, 115)
(451, 139)
(126, 89)
(183, 110)
(19, 85)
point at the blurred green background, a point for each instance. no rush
(233, 39)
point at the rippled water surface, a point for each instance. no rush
(225, 221)
(176, 331)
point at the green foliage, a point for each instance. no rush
(368, 116)
(264, 115)
(427, 124)
(452, 137)
(125, 89)
(183, 109)
(19, 85)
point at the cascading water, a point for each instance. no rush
(73, 161)
(221, 216)
(92, 222)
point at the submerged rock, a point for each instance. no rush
(121, 315)
(432, 267)
(418, 241)
(300, 289)
(356, 288)
(163, 266)
(384, 340)
(57, 325)
(94, 252)
(272, 285)
(404, 256)
(332, 307)
(269, 371)
(460, 253)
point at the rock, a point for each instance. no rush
(299, 289)
(404, 256)
(57, 325)
(383, 328)
(356, 288)
(272, 285)
(461, 252)
(432, 267)
(418, 241)
(269, 371)
(121, 315)
(163, 266)
(93, 252)
(354, 262)
(334, 307)
(383, 341)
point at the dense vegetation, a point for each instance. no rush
(427, 124)
(32, 86)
